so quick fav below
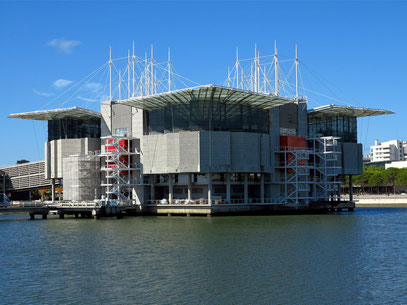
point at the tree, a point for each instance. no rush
(376, 179)
(42, 192)
(402, 177)
(390, 177)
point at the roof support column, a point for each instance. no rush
(4, 183)
(152, 188)
(170, 188)
(210, 188)
(246, 188)
(228, 196)
(262, 188)
(53, 189)
(189, 187)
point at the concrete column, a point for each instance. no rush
(262, 188)
(152, 188)
(350, 188)
(4, 183)
(228, 192)
(209, 188)
(246, 188)
(170, 188)
(189, 186)
(53, 189)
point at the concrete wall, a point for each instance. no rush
(204, 151)
(56, 150)
(81, 177)
(115, 116)
(352, 159)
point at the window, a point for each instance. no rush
(121, 131)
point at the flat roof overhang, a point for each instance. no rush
(207, 93)
(57, 114)
(345, 111)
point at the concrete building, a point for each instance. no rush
(208, 144)
(393, 150)
(242, 143)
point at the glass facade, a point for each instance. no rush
(208, 115)
(73, 128)
(343, 127)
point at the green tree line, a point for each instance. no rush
(376, 176)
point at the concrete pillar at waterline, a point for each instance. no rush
(189, 187)
(170, 188)
(350, 188)
(53, 189)
(152, 188)
(262, 188)
(246, 189)
(209, 188)
(228, 192)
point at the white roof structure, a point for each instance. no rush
(57, 114)
(349, 111)
(207, 93)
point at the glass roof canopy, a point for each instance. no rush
(345, 111)
(58, 114)
(207, 93)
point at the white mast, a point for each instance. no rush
(255, 68)
(152, 72)
(228, 77)
(128, 74)
(110, 72)
(169, 70)
(277, 90)
(237, 67)
(146, 76)
(258, 71)
(296, 73)
(134, 79)
(120, 86)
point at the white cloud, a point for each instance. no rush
(46, 94)
(63, 45)
(93, 86)
(62, 83)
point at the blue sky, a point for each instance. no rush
(358, 47)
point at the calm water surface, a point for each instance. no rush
(349, 258)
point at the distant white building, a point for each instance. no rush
(396, 164)
(393, 150)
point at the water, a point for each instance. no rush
(348, 258)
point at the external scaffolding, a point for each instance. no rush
(310, 173)
(121, 166)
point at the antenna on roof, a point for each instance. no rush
(110, 72)
(277, 89)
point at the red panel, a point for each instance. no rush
(292, 143)
(287, 142)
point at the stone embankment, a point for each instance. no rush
(382, 200)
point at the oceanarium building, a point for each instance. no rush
(205, 145)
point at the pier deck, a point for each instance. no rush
(88, 210)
